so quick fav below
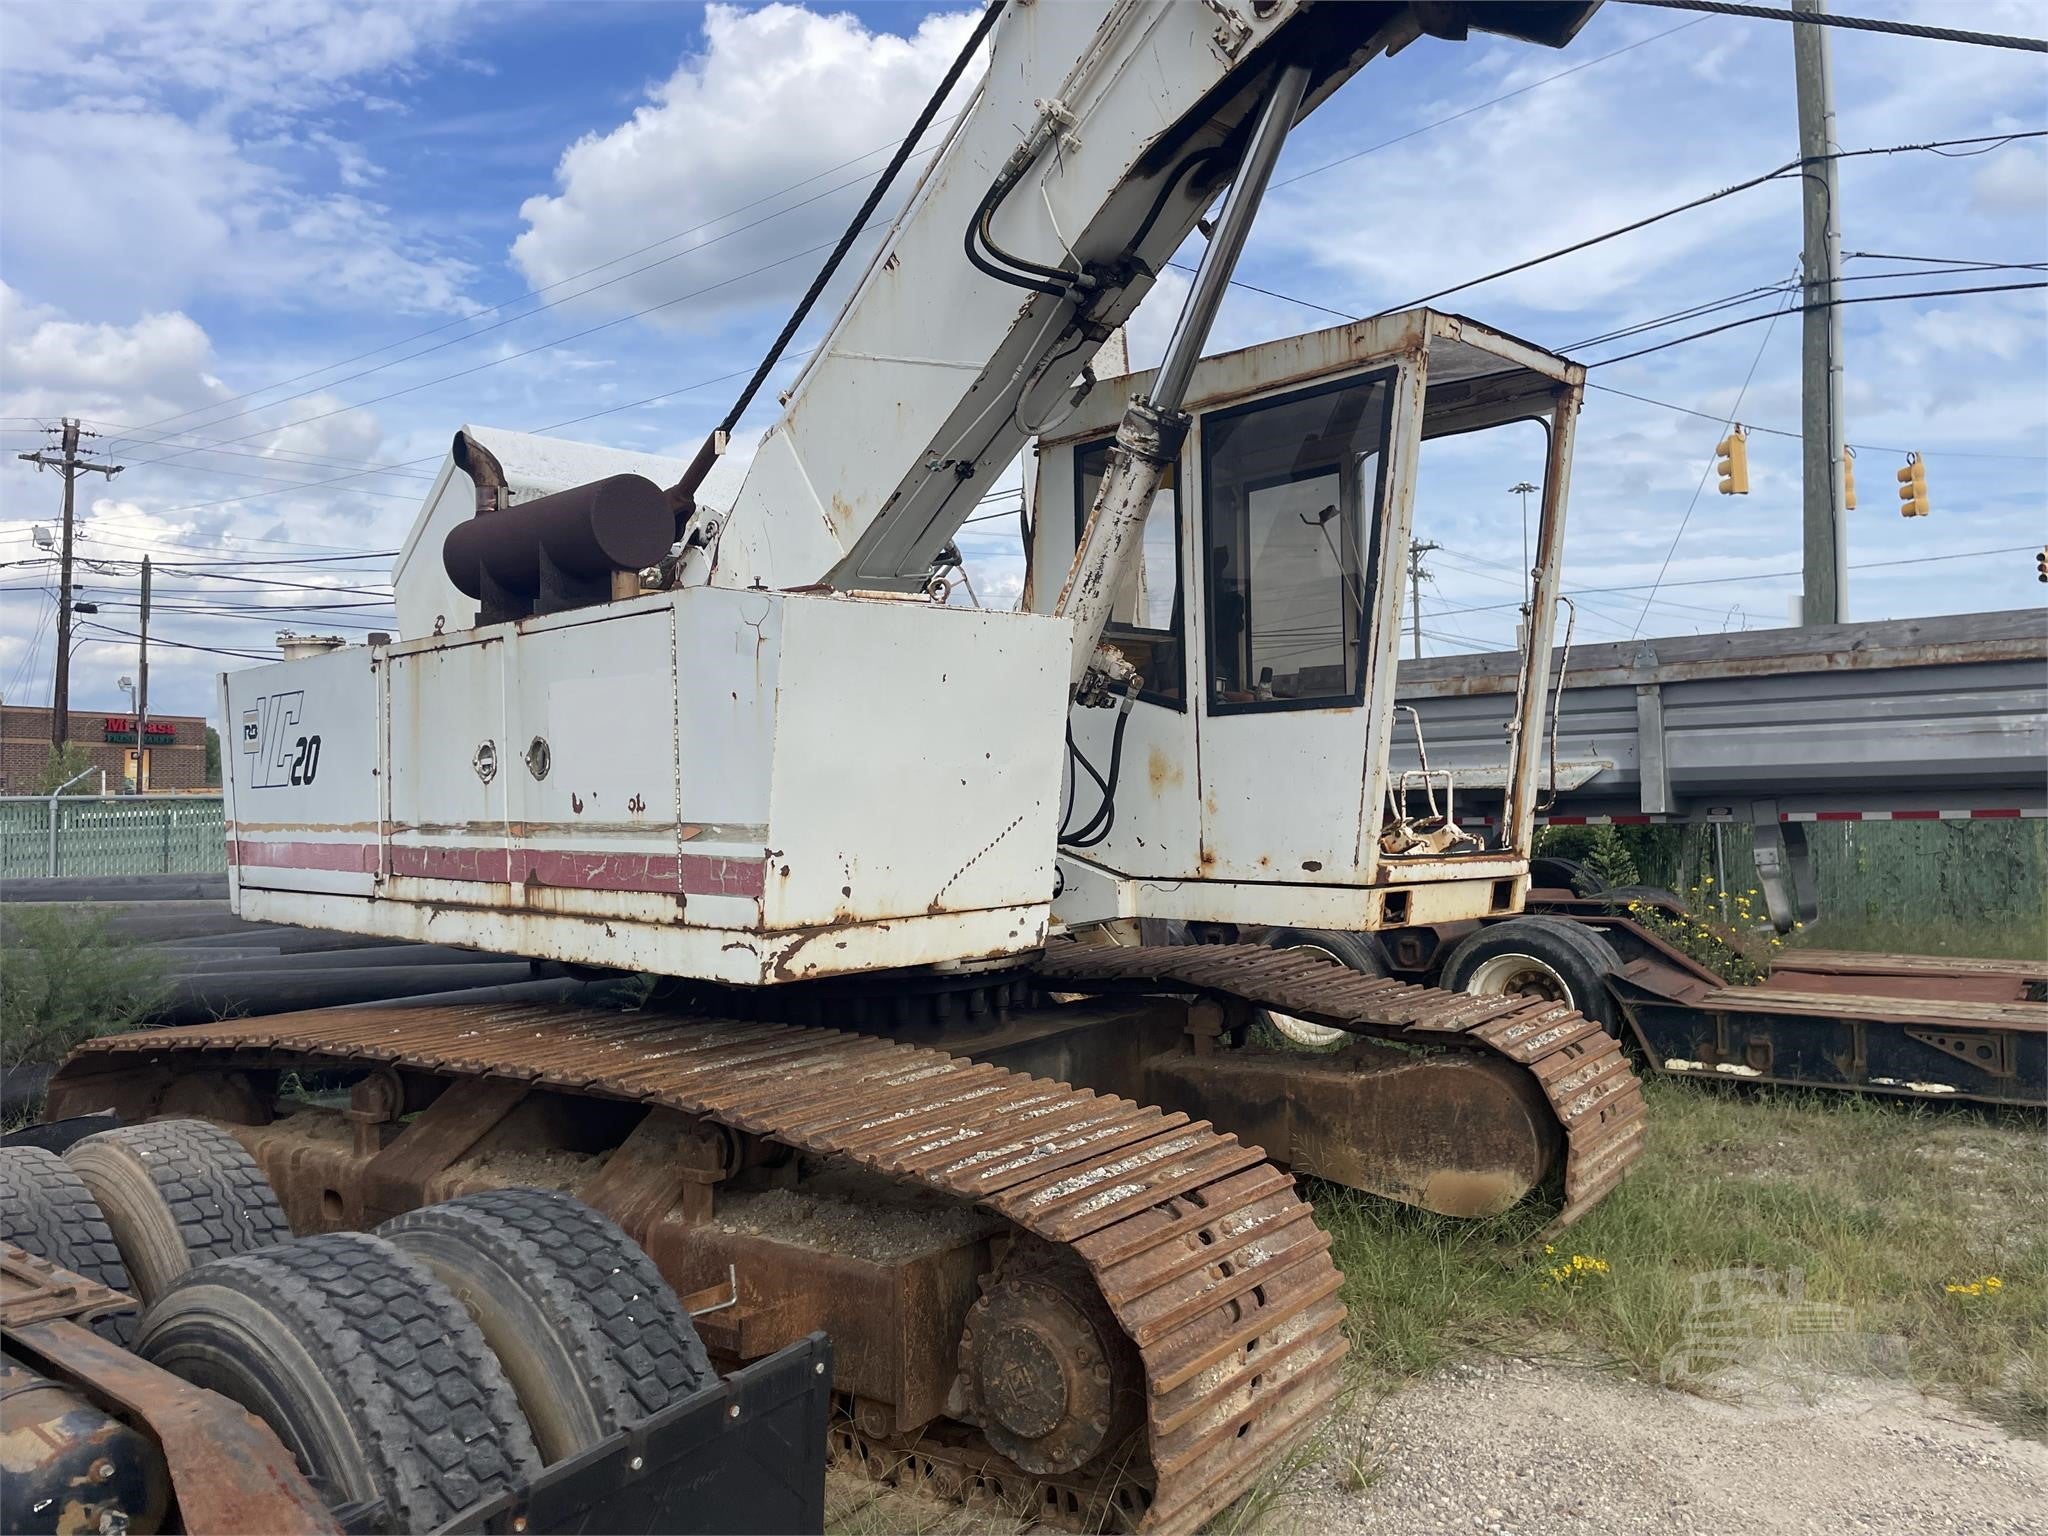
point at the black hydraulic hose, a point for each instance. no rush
(976, 232)
(693, 477)
(1104, 819)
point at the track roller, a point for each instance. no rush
(590, 1336)
(46, 1208)
(177, 1193)
(363, 1364)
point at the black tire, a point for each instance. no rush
(590, 1335)
(46, 1209)
(176, 1194)
(1360, 951)
(365, 1367)
(1565, 875)
(1577, 959)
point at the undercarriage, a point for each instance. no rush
(1028, 1210)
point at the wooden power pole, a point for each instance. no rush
(142, 692)
(71, 466)
(1826, 562)
(1415, 575)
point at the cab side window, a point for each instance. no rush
(1145, 620)
(1292, 490)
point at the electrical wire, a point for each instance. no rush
(1853, 23)
(1866, 298)
(1707, 473)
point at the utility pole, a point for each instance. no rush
(71, 466)
(1826, 562)
(142, 690)
(1415, 575)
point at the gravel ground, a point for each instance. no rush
(1520, 1448)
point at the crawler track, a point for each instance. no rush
(1204, 1254)
(1580, 1068)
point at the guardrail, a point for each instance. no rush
(44, 835)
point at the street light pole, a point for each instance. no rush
(1523, 491)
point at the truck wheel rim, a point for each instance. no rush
(1519, 976)
(1304, 1032)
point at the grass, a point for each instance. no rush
(1879, 1206)
(67, 977)
(1989, 940)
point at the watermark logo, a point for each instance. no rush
(1752, 1335)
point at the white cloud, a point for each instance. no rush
(778, 96)
(158, 146)
(284, 54)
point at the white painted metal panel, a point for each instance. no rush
(299, 752)
(448, 758)
(914, 770)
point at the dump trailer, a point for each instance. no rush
(900, 1079)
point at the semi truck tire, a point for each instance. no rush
(176, 1194)
(46, 1209)
(590, 1336)
(363, 1365)
(1360, 951)
(1538, 956)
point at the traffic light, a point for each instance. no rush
(1913, 488)
(1848, 478)
(1733, 467)
(2041, 566)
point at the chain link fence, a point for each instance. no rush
(111, 835)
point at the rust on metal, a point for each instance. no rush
(228, 1473)
(1200, 1250)
(1578, 1066)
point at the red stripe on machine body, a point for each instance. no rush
(691, 874)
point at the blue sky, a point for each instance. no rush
(209, 205)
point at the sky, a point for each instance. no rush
(275, 254)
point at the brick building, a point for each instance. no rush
(174, 759)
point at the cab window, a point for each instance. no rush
(1145, 620)
(1291, 490)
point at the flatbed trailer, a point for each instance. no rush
(1930, 1027)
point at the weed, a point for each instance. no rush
(1891, 1212)
(67, 978)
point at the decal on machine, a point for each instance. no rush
(282, 755)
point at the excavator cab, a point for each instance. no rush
(1246, 777)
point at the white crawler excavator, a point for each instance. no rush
(915, 1076)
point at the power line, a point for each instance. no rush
(1714, 581)
(1853, 23)
(1707, 472)
(1789, 168)
(182, 645)
(1867, 298)
(1482, 106)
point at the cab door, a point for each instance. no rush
(1295, 529)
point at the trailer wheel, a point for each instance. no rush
(1537, 956)
(361, 1362)
(177, 1193)
(46, 1208)
(1360, 951)
(590, 1335)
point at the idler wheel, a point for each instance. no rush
(1050, 1377)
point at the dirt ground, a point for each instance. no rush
(1515, 1447)
(1523, 1448)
